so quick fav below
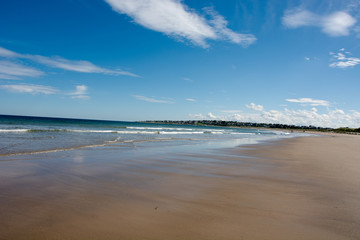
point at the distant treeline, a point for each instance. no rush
(258, 125)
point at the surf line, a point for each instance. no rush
(61, 149)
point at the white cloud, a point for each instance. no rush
(211, 116)
(175, 19)
(190, 99)
(341, 60)
(10, 70)
(30, 88)
(80, 92)
(331, 118)
(336, 24)
(307, 58)
(309, 101)
(255, 107)
(151, 99)
(62, 63)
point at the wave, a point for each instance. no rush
(13, 130)
(116, 140)
(170, 132)
(159, 131)
(239, 133)
(160, 128)
(54, 130)
(175, 129)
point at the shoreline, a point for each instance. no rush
(286, 128)
(295, 188)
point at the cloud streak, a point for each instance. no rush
(335, 24)
(309, 101)
(14, 71)
(30, 88)
(63, 63)
(75, 65)
(175, 19)
(79, 93)
(151, 99)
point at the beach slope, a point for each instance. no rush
(298, 188)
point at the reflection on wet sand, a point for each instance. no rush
(285, 190)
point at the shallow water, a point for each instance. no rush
(32, 135)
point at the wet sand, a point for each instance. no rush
(301, 188)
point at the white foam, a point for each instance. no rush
(139, 130)
(238, 133)
(14, 130)
(113, 141)
(92, 131)
(281, 133)
(162, 132)
(167, 132)
(158, 128)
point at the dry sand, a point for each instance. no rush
(302, 188)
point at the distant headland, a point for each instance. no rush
(257, 125)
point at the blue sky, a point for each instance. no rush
(292, 62)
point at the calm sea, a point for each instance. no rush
(21, 135)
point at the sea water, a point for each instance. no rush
(21, 135)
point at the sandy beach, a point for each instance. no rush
(299, 188)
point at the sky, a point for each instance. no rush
(276, 61)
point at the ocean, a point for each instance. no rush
(21, 135)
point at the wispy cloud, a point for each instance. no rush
(76, 66)
(80, 92)
(176, 19)
(62, 63)
(30, 88)
(335, 24)
(309, 101)
(190, 99)
(197, 116)
(151, 99)
(219, 24)
(7, 53)
(342, 59)
(8, 77)
(231, 111)
(13, 71)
